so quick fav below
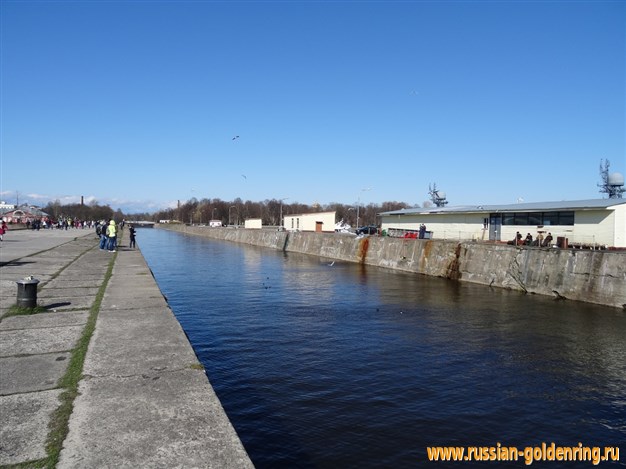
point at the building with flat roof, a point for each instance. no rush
(318, 221)
(582, 223)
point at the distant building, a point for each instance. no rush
(23, 214)
(319, 222)
(596, 222)
(253, 224)
(4, 206)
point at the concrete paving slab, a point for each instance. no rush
(78, 282)
(32, 373)
(20, 272)
(22, 243)
(131, 302)
(7, 282)
(68, 292)
(13, 277)
(24, 428)
(127, 288)
(114, 349)
(65, 304)
(135, 269)
(34, 341)
(88, 264)
(155, 420)
(45, 320)
(8, 296)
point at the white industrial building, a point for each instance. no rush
(253, 224)
(319, 222)
(589, 223)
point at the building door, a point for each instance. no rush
(495, 227)
(318, 226)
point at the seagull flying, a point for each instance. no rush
(244, 176)
(235, 137)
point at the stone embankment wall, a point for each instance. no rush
(591, 276)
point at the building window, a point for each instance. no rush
(566, 218)
(550, 218)
(520, 219)
(535, 218)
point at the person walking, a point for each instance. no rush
(112, 235)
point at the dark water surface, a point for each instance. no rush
(348, 366)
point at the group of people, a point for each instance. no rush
(62, 223)
(540, 241)
(108, 235)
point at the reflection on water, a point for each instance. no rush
(348, 366)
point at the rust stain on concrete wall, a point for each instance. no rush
(363, 248)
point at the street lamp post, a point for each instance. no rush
(229, 222)
(358, 205)
(190, 207)
(281, 214)
(213, 213)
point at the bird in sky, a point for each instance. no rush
(244, 176)
(235, 137)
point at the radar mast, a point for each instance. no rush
(612, 183)
(438, 197)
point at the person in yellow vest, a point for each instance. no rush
(112, 235)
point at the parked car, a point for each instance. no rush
(371, 229)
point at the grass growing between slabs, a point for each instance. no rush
(59, 425)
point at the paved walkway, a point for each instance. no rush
(143, 400)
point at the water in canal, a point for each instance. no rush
(345, 366)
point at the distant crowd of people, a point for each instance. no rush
(62, 223)
(105, 229)
(539, 241)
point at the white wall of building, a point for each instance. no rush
(602, 227)
(253, 224)
(309, 221)
(620, 225)
(441, 225)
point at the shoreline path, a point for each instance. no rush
(141, 398)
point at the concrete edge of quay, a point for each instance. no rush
(144, 399)
(589, 276)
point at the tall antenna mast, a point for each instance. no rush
(612, 183)
(438, 197)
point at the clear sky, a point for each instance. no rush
(137, 104)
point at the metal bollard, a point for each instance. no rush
(27, 292)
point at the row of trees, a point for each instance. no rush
(92, 211)
(235, 212)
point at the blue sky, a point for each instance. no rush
(136, 103)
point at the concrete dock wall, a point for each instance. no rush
(591, 276)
